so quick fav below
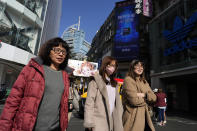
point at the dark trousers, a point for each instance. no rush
(161, 114)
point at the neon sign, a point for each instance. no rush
(179, 34)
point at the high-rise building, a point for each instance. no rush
(24, 26)
(76, 40)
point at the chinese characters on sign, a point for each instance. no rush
(138, 6)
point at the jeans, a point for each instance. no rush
(161, 114)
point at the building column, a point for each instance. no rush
(2, 73)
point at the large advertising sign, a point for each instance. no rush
(179, 36)
(126, 39)
(83, 68)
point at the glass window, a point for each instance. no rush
(17, 30)
(160, 44)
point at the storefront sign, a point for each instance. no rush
(179, 35)
(180, 47)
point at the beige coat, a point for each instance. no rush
(97, 108)
(136, 113)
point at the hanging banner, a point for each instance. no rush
(147, 8)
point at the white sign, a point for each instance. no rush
(138, 7)
(83, 68)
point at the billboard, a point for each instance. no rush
(126, 38)
(147, 8)
(83, 68)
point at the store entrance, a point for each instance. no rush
(192, 92)
(181, 93)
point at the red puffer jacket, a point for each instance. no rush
(21, 108)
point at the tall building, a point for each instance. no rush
(123, 36)
(24, 26)
(76, 40)
(173, 44)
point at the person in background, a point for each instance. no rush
(136, 94)
(155, 110)
(76, 98)
(161, 105)
(70, 99)
(39, 98)
(103, 107)
(165, 119)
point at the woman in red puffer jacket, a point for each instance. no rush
(39, 98)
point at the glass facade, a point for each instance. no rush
(21, 23)
(173, 38)
(38, 7)
(24, 25)
(76, 40)
(51, 20)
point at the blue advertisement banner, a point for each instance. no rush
(126, 40)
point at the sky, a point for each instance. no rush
(93, 14)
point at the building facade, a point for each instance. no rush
(76, 40)
(173, 51)
(124, 36)
(24, 26)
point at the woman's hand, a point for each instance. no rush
(142, 95)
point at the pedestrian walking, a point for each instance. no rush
(39, 98)
(76, 98)
(70, 99)
(136, 95)
(161, 104)
(155, 109)
(103, 107)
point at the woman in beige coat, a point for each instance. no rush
(103, 107)
(136, 94)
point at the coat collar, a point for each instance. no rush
(102, 88)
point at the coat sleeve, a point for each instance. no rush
(130, 92)
(89, 105)
(13, 101)
(150, 95)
